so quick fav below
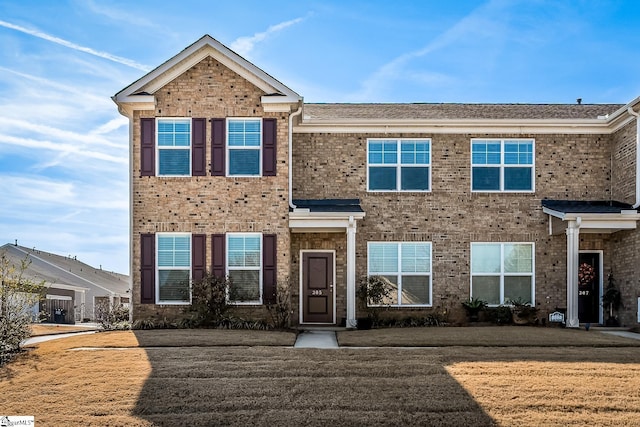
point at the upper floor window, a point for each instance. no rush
(406, 268)
(244, 141)
(399, 164)
(244, 267)
(173, 268)
(502, 164)
(174, 147)
(502, 272)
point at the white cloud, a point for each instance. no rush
(74, 46)
(480, 26)
(61, 147)
(117, 14)
(244, 45)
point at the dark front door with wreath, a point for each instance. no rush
(589, 287)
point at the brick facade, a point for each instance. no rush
(329, 164)
(209, 205)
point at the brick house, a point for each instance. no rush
(231, 172)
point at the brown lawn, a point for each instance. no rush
(142, 379)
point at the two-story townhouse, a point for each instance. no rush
(232, 172)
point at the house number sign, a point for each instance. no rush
(316, 292)
(583, 293)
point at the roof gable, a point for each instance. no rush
(141, 91)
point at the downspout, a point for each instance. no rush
(637, 116)
(296, 113)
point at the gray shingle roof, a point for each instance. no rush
(456, 111)
(56, 269)
(586, 206)
(329, 205)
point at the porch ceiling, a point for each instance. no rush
(591, 216)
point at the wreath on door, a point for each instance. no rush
(586, 274)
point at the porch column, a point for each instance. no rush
(351, 273)
(573, 246)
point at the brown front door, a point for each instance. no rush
(317, 287)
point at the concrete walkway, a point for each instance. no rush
(316, 339)
(625, 334)
(43, 338)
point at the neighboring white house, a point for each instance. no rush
(74, 289)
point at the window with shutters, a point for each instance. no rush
(244, 267)
(174, 146)
(399, 164)
(173, 257)
(244, 138)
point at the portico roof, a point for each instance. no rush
(328, 215)
(591, 216)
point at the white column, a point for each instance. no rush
(351, 273)
(573, 246)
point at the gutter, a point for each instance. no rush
(637, 116)
(296, 113)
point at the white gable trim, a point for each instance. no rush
(203, 48)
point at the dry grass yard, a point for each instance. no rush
(210, 377)
(52, 329)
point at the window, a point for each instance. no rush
(399, 164)
(244, 267)
(244, 137)
(502, 165)
(406, 268)
(502, 272)
(174, 268)
(174, 147)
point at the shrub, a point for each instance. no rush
(113, 318)
(280, 311)
(17, 297)
(208, 301)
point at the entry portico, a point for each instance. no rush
(330, 216)
(575, 217)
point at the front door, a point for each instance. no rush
(317, 287)
(589, 280)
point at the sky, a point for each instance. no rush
(64, 184)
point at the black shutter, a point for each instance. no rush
(147, 147)
(269, 144)
(269, 264)
(219, 267)
(147, 268)
(218, 147)
(198, 147)
(198, 256)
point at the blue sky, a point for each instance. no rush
(63, 145)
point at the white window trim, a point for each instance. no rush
(502, 165)
(399, 273)
(398, 165)
(158, 148)
(158, 268)
(502, 274)
(228, 268)
(228, 148)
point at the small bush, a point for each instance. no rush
(280, 311)
(17, 297)
(500, 315)
(209, 301)
(113, 318)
